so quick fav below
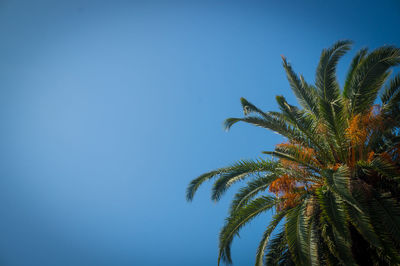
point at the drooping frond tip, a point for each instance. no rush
(248, 108)
(238, 172)
(239, 219)
(228, 123)
(195, 184)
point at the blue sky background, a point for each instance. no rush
(109, 108)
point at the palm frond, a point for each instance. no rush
(253, 187)
(387, 211)
(362, 222)
(326, 81)
(235, 222)
(238, 172)
(331, 105)
(339, 247)
(313, 243)
(334, 211)
(391, 96)
(266, 236)
(297, 234)
(306, 95)
(277, 251)
(249, 108)
(391, 90)
(196, 183)
(357, 59)
(229, 175)
(292, 158)
(339, 183)
(383, 167)
(306, 124)
(273, 123)
(370, 76)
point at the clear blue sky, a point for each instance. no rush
(109, 109)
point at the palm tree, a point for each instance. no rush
(334, 184)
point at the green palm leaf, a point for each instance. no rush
(334, 210)
(357, 59)
(235, 222)
(273, 123)
(326, 81)
(252, 188)
(391, 89)
(229, 175)
(267, 234)
(339, 183)
(278, 252)
(297, 234)
(313, 243)
(305, 94)
(387, 211)
(330, 103)
(238, 172)
(370, 76)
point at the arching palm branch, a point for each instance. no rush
(335, 181)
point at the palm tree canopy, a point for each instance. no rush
(335, 181)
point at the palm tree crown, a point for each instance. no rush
(335, 181)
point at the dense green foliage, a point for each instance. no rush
(334, 184)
